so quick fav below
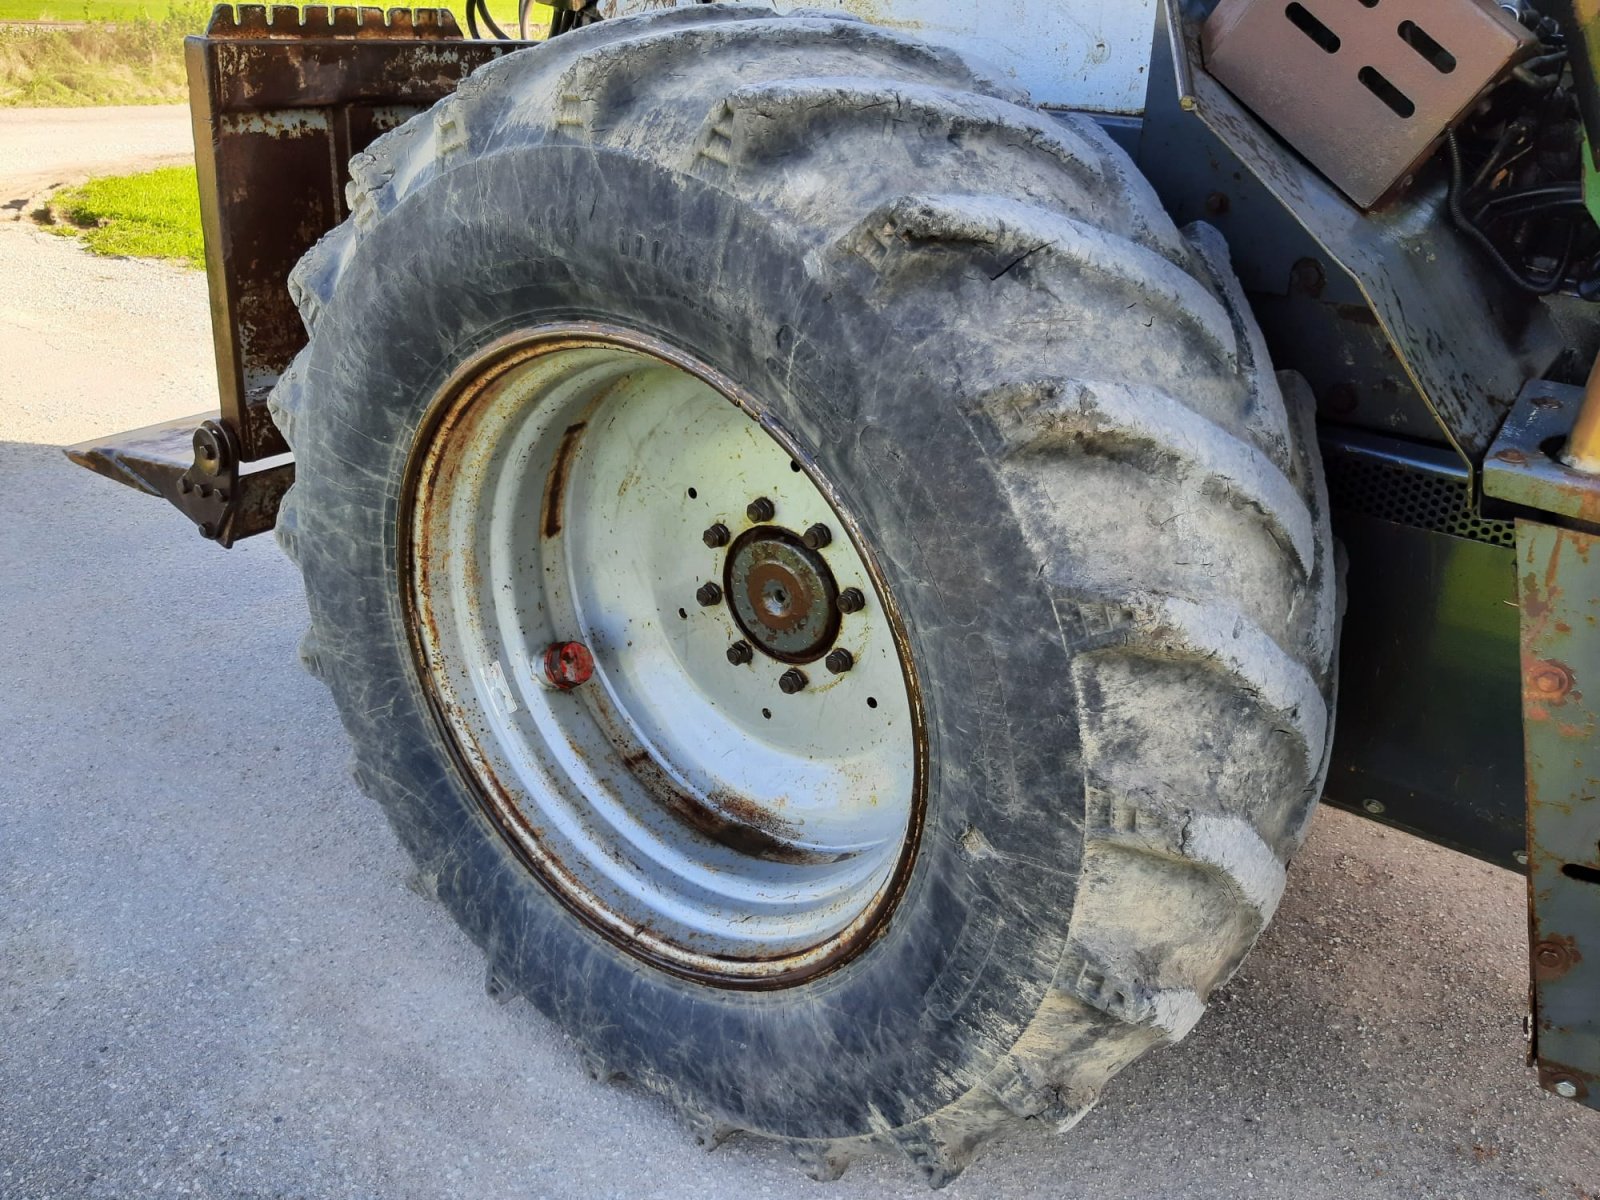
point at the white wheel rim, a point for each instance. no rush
(683, 804)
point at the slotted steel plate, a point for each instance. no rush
(1362, 88)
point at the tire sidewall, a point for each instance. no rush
(877, 396)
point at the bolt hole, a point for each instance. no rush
(872, 702)
(794, 466)
(683, 614)
(693, 495)
(767, 713)
(1582, 873)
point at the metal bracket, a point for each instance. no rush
(1524, 465)
(1466, 340)
(197, 468)
(1559, 590)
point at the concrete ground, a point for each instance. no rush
(215, 981)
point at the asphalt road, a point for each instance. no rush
(42, 148)
(216, 981)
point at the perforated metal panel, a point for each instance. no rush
(1415, 486)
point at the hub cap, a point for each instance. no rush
(705, 793)
(783, 595)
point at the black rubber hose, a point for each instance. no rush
(483, 8)
(1462, 222)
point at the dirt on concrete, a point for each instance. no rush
(216, 981)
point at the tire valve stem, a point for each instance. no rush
(708, 594)
(791, 681)
(567, 665)
(740, 653)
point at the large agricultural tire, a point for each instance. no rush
(1055, 456)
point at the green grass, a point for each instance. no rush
(131, 52)
(87, 10)
(505, 11)
(155, 214)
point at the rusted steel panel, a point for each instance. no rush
(1559, 591)
(1364, 92)
(280, 100)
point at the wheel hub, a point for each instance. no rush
(783, 596)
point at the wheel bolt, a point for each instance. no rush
(740, 653)
(761, 509)
(717, 535)
(567, 665)
(708, 594)
(817, 536)
(851, 600)
(792, 681)
(839, 661)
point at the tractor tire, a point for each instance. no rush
(1047, 429)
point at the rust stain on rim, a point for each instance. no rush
(447, 414)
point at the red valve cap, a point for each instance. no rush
(567, 665)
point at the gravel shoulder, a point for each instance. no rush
(216, 980)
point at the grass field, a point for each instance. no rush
(155, 214)
(129, 52)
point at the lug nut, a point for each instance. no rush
(761, 509)
(708, 594)
(851, 600)
(817, 536)
(1566, 1089)
(567, 665)
(839, 661)
(791, 681)
(717, 535)
(740, 653)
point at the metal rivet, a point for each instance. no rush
(740, 653)
(791, 681)
(817, 536)
(761, 509)
(851, 600)
(1373, 806)
(717, 535)
(839, 661)
(708, 594)
(1566, 1089)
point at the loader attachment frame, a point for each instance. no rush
(280, 100)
